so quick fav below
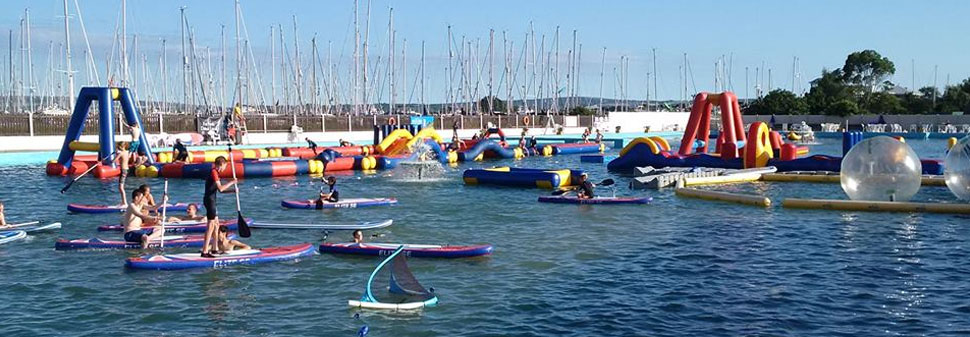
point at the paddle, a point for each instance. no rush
(161, 243)
(71, 183)
(605, 182)
(21, 224)
(240, 221)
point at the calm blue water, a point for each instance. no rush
(675, 267)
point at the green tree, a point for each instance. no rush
(843, 107)
(865, 70)
(499, 104)
(884, 103)
(582, 111)
(827, 90)
(956, 98)
(916, 104)
(778, 102)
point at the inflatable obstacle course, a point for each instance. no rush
(520, 177)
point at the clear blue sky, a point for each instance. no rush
(752, 33)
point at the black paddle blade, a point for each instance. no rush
(243, 226)
(559, 192)
(607, 182)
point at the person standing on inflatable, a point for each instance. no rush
(122, 159)
(312, 145)
(585, 188)
(213, 186)
(181, 153)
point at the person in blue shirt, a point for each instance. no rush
(328, 197)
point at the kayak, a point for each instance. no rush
(42, 228)
(102, 209)
(10, 236)
(597, 200)
(182, 227)
(245, 256)
(410, 250)
(174, 241)
(346, 203)
(363, 226)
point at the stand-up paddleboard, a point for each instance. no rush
(96, 243)
(346, 203)
(11, 236)
(363, 226)
(193, 260)
(411, 250)
(595, 201)
(181, 227)
(102, 209)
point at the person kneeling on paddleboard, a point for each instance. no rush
(135, 220)
(191, 214)
(328, 197)
(226, 244)
(585, 188)
(213, 186)
(3, 219)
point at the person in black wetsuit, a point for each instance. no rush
(313, 145)
(332, 196)
(181, 153)
(585, 188)
(213, 186)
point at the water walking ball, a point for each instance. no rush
(956, 168)
(881, 169)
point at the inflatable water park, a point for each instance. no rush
(412, 213)
(392, 144)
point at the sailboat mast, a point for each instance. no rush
(491, 69)
(67, 57)
(423, 106)
(390, 59)
(124, 43)
(239, 97)
(356, 75)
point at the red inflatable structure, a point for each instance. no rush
(730, 139)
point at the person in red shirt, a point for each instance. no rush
(213, 186)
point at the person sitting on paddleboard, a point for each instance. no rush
(191, 214)
(135, 219)
(3, 219)
(358, 236)
(585, 188)
(312, 145)
(332, 196)
(213, 186)
(181, 153)
(226, 244)
(149, 199)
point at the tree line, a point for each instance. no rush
(861, 86)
